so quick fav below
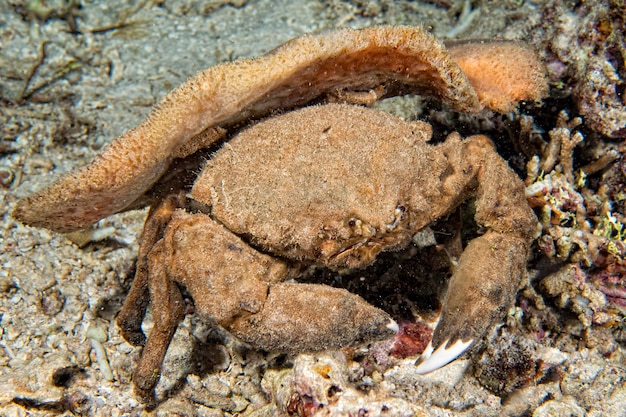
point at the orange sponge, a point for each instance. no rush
(502, 72)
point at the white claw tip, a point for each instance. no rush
(431, 361)
(393, 326)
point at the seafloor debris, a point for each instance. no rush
(511, 361)
(585, 52)
(584, 226)
(320, 386)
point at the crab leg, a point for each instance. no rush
(491, 268)
(131, 316)
(168, 311)
(234, 285)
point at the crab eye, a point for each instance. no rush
(352, 222)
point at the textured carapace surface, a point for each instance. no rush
(343, 184)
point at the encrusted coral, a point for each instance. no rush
(507, 364)
(583, 226)
(586, 49)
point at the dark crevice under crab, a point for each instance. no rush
(330, 185)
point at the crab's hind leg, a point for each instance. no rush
(491, 268)
(167, 312)
(134, 310)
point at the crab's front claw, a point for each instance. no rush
(480, 292)
(309, 317)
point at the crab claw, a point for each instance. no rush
(480, 293)
(308, 317)
(432, 360)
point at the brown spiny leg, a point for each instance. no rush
(491, 268)
(225, 277)
(131, 316)
(167, 312)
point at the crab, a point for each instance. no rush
(298, 185)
